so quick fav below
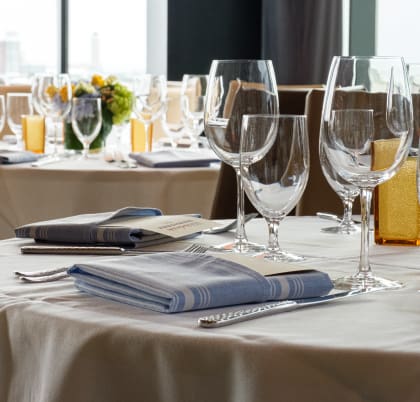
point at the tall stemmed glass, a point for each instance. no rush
(150, 101)
(275, 176)
(367, 111)
(86, 121)
(2, 113)
(237, 87)
(347, 193)
(193, 92)
(19, 104)
(54, 101)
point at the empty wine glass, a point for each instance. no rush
(367, 108)
(347, 193)
(237, 87)
(275, 176)
(193, 93)
(149, 100)
(86, 121)
(54, 95)
(2, 113)
(19, 104)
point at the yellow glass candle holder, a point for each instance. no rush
(33, 133)
(397, 210)
(138, 136)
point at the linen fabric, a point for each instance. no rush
(10, 157)
(173, 158)
(87, 229)
(179, 281)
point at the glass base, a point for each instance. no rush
(243, 247)
(342, 229)
(365, 282)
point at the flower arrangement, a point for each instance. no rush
(117, 103)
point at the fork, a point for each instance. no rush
(55, 274)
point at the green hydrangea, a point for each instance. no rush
(122, 103)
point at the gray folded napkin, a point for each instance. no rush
(175, 282)
(9, 156)
(89, 229)
(174, 158)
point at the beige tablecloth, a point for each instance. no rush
(57, 344)
(72, 187)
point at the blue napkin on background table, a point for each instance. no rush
(174, 158)
(179, 281)
(85, 229)
(11, 156)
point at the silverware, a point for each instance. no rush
(231, 225)
(332, 217)
(86, 250)
(46, 161)
(55, 274)
(232, 317)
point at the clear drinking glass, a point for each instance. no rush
(86, 120)
(367, 108)
(2, 113)
(54, 96)
(347, 193)
(150, 100)
(19, 104)
(237, 87)
(275, 170)
(193, 93)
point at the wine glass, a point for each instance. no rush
(19, 104)
(367, 109)
(86, 121)
(193, 92)
(149, 100)
(347, 193)
(237, 87)
(2, 113)
(54, 95)
(275, 171)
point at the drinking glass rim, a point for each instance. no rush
(368, 57)
(241, 60)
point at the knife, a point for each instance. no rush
(87, 250)
(232, 317)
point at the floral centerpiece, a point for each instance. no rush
(117, 103)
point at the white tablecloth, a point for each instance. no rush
(57, 344)
(71, 187)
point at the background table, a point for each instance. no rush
(57, 344)
(71, 187)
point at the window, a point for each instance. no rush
(122, 38)
(28, 37)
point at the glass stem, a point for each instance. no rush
(240, 228)
(85, 150)
(56, 130)
(348, 210)
(365, 201)
(273, 234)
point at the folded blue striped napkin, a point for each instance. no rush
(173, 158)
(90, 229)
(9, 156)
(179, 281)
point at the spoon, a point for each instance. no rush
(230, 226)
(331, 217)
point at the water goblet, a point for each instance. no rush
(2, 113)
(276, 174)
(149, 101)
(237, 87)
(86, 121)
(367, 107)
(347, 193)
(54, 94)
(193, 92)
(18, 105)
